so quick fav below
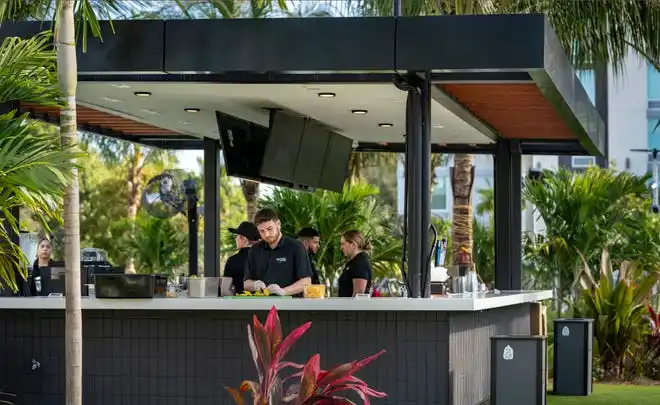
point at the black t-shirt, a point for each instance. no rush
(358, 267)
(284, 265)
(235, 268)
(315, 272)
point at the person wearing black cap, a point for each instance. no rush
(246, 235)
(311, 240)
(278, 263)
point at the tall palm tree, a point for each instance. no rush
(65, 13)
(591, 31)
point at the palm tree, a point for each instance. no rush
(591, 31)
(33, 169)
(65, 13)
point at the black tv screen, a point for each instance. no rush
(243, 146)
(281, 154)
(313, 147)
(335, 164)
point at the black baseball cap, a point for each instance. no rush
(247, 229)
(308, 232)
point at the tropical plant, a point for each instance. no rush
(651, 354)
(314, 387)
(617, 302)
(357, 207)
(33, 169)
(158, 245)
(584, 212)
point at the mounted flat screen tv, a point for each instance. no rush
(311, 154)
(281, 152)
(243, 146)
(335, 164)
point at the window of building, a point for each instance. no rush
(653, 134)
(588, 81)
(653, 83)
(440, 195)
(582, 161)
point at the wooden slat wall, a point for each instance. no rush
(91, 117)
(515, 110)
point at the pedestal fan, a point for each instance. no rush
(165, 196)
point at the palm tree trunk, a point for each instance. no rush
(462, 207)
(67, 71)
(134, 184)
(251, 194)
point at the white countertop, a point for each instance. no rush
(490, 301)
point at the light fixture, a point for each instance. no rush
(121, 86)
(142, 93)
(150, 112)
(359, 112)
(112, 100)
(326, 95)
(385, 125)
(438, 126)
(192, 110)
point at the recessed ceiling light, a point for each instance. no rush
(192, 110)
(359, 112)
(326, 95)
(385, 125)
(151, 112)
(438, 126)
(112, 100)
(121, 86)
(142, 93)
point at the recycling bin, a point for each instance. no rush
(573, 357)
(518, 370)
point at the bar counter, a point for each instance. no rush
(166, 351)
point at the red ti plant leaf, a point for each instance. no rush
(274, 328)
(236, 396)
(288, 341)
(654, 320)
(251, 387)
(262, 341)
(309, 379)
(255, 355)
(343, 372)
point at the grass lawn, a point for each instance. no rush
(613, 395)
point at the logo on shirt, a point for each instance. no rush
(280, 259)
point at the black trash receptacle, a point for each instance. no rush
(572, 363)
(518, 370)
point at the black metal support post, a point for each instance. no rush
(418, 182)
(508, 218)
(211, 207)
(425, 174)
(602, 107)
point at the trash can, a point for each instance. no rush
(518, 370)
(573, 361)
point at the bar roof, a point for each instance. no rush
(494, 76)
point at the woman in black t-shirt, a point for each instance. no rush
(357, 274)
(41, 268)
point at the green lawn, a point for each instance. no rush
(613, 395)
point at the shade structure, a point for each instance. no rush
(499, 77)
(499, 84)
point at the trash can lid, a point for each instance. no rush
(518, 337)
(574, 320)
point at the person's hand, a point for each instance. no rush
(275, 289)
(258, 285)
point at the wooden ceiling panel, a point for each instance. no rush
(94, 118)
(515, 110)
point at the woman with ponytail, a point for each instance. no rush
(357, 274)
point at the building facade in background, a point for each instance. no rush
(634, 111)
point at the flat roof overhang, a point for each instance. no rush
(498, 76)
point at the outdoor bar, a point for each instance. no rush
(508, 89)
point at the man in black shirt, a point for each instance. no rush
(278, 263)
(246, 235)
(311, 240)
